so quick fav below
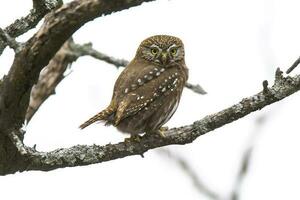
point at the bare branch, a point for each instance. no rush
(187, 169)
(84, 155)
(265, 87)
(49, 78)
(21, 26)
(53, 73)
(295, 64)
(196, 88)
(88, 50)
(11, 42)
(246, 159)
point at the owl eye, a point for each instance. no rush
(174, 51)
(154, 51)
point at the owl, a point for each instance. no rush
(148, 91)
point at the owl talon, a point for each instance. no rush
(162, 131)
(164, 128)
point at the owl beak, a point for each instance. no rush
(164, 57)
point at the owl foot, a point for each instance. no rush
(133, 138)
(162, 131)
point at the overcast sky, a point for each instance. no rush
(231, 47)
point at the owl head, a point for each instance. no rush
(163, 50)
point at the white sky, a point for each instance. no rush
(231, 47)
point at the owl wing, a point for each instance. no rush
(150, 93)
(136, 75)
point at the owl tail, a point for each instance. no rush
(104, 115)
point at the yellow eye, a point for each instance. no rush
(173, 52)
(154, 51)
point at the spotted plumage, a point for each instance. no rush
(148, 91)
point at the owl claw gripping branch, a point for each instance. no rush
(148, 91)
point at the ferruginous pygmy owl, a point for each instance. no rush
(148, 90)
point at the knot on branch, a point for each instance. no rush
(266, 90)
(278, 75)
(281, 80)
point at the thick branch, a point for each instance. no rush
(84, 155)
(49, 78)
(21, 26)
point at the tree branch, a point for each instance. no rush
(195, 88)
(80, 155)
(49, 78)
(294, 65)
(187, 169)
(88, 50)
(53, 73)
(246, 158)
(21, 26)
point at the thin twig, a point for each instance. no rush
(188, 170)
(196, 88)
(246, 159)
(87, 49)
(295, 64)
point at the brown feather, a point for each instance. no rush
(101, 116)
